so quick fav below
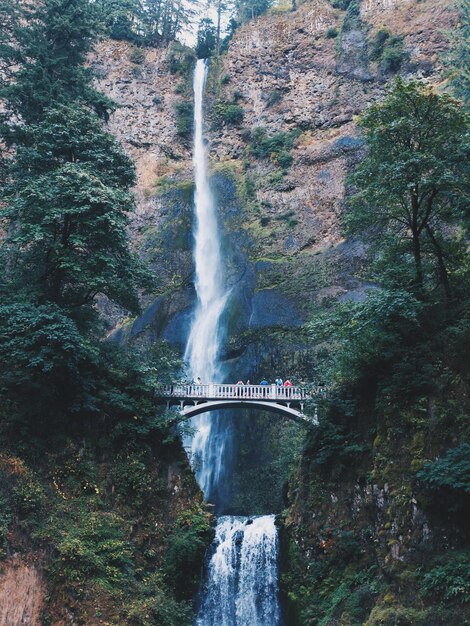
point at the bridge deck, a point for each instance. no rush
(215, 391)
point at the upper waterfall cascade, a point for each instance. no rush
(202, 350)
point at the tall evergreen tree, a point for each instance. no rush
(206, 38)
(67, 202)
(249, 9)
(48, 43)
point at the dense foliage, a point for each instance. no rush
(159, 22)
(392, 449)
(44, 52)
(85, 456)
(154, 22)
(387, 50)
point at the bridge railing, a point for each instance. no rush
(235, 392)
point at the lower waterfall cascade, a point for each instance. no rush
(242, 582)
(242, 587)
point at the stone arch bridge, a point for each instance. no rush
(193, 399)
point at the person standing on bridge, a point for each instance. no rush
(288, 384)
(265, 384)
(240, 384)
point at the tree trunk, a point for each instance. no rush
(416, 241)
(219, 19)
(418, 261)
(443, 274)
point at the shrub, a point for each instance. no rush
(450, 471)
(275, 147)
(184, 119)
(29, 498)
(387, 50)
(94, 546)
(451, 580)
(229, 114)
(397, 616)
(155, 605)
(341, 4)
(133, 482)
(180, 59)
(331, 33)
(250, 188)
(283, 159)
(352, 16)
(273, 98)
(378, 43)
(393, 55)
(6, 517)
(137, 56)
(186, 548)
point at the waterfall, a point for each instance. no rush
(202, 349)
(242, 586)
(241, 589)
(208, 445)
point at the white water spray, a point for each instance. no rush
(243, 574)
(202, 350)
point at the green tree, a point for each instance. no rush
(221, 7)
(48, 44)
(206, 39)
(249, 9)
(121, 18)
(414, 181)
(165, 19)
(67, 204)
(42, 361)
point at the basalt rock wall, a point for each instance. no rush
(300, 77)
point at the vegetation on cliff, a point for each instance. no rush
(94, 485)
(379, 506)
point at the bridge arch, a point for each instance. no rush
(188, 411)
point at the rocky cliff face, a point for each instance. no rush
(22, 593)
(300, 77)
